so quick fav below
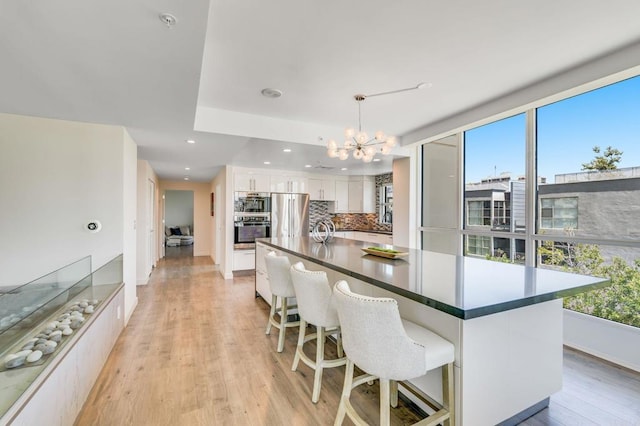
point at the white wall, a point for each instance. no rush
(222, 235)
(55, 176)
(129, 232)
(144, 225)
(178, 208)
(401, 180)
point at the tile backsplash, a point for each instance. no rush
(319, 210)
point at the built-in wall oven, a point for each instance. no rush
(248, 227)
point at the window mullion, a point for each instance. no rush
(531, 191)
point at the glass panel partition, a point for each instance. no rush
(39, 319)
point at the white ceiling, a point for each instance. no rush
(116, 63)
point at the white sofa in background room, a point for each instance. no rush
(178, 236)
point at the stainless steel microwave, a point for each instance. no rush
(252, 202)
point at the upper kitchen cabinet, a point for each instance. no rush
(322, 189)
(251, 182)
(341, 204)
(362, 194)
(289, 183)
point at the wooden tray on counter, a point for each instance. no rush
(388, 255)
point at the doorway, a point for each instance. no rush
(178, 220)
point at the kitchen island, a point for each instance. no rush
(505, 320)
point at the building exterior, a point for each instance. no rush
(586, 204)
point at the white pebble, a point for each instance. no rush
(23, 353)
(34, 356)
(88, 310)
(9, 358)
(53, 333)
(67, 331)
(51, 343)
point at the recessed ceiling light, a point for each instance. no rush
(267, 162)
(190, 141)
(343, 169)
(271, 93)
(286, 150)
(168, 19)
(375, 160)
(187, 168)
(186, 178)
(307, 165)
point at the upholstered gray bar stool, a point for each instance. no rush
(281, 288)
(316, 307)
(387, 347)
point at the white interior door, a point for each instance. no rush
(218, 222)
(151, 225)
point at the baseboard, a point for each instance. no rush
(127, 316)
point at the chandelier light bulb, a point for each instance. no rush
(343, 154)
(349, 132)
(332, 145)
(392, 141)
(333, 153)
(380, 136)
(385, 150)
(369, 151)
(358, 154)
(367, 158)
(361, 138)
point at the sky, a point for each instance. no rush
(567, 132)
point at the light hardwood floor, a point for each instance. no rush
(195, 353)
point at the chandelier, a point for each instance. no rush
(359, 143)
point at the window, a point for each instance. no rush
(479, 213)
(588, 157)
(494, 190)
(584, 158)
(559, 213)
(478, 245)
(386, 203)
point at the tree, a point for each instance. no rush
(606, 161)
(620, 301)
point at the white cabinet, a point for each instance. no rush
(362, 196)
(284, 183)
(322, 189)
(262, 279)
(244, 259)
(373, 237)
(341, 204)
(251, 182)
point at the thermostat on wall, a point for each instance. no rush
(93, 226)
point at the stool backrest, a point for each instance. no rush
(373, 335)
(279, 276)
(314, 296)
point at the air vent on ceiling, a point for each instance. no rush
(324, 167)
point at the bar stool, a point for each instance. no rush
(387, 347)
(281, 287)
(316, 307)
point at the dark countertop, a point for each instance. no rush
(462, 286)
(373, 231)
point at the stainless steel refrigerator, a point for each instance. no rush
(289, 215)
